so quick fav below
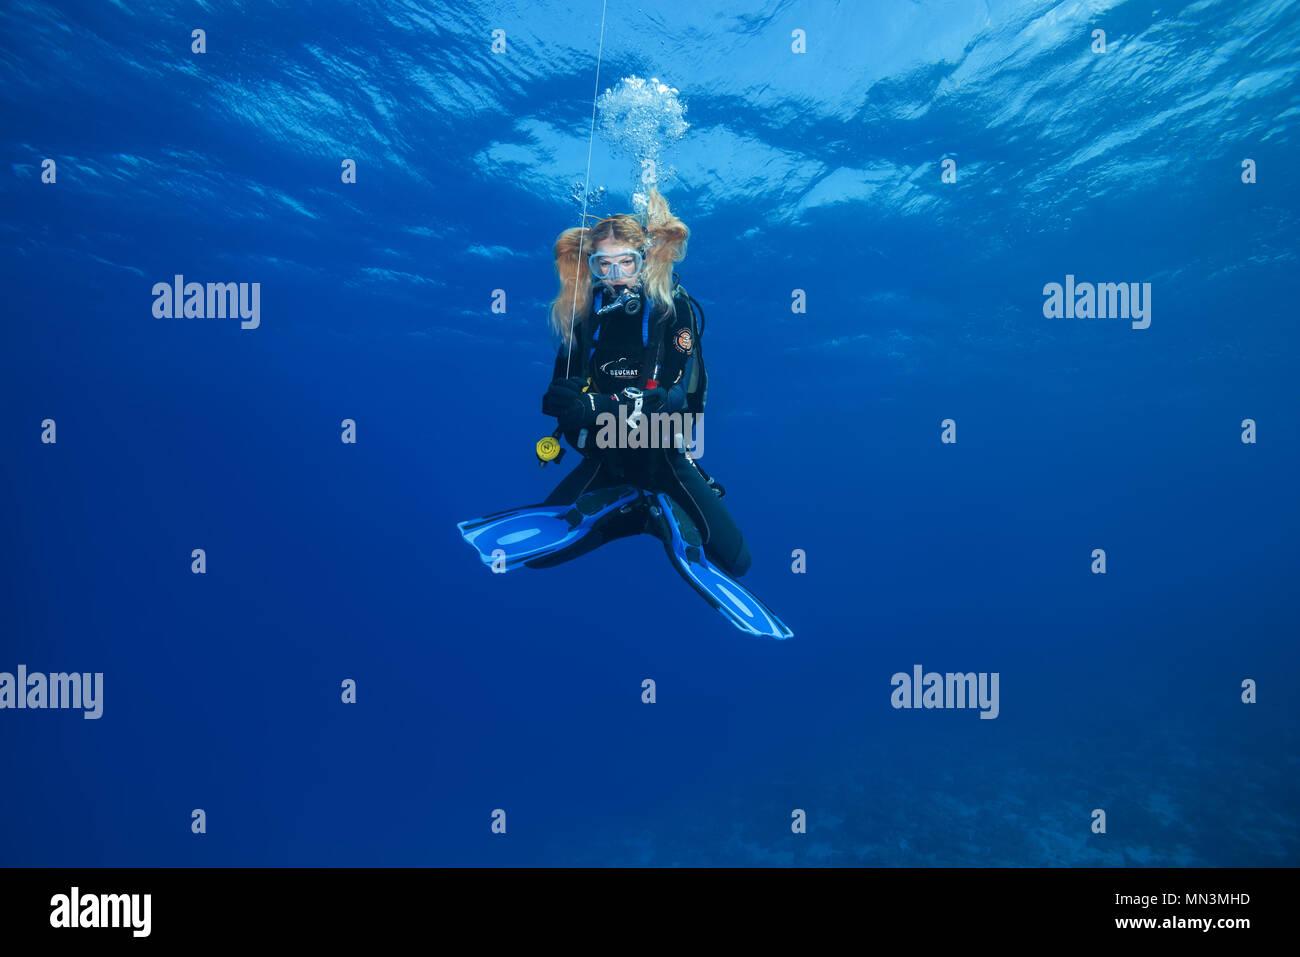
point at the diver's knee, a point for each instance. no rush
(740, 564)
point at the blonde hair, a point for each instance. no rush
(662, 240)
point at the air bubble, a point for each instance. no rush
(641, 118)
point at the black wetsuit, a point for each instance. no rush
(612, 350)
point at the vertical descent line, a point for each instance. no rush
(586, 185)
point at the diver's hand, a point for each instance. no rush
(654, 400)
(564, 398)
(574, 408)
(574, 384)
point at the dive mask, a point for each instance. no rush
(623, 265)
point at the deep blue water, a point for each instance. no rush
(817, 171)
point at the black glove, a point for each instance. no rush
(654, 400)
(574, 408)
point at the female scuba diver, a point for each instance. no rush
(631, 349)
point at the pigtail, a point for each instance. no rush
(574, 299)
(666, 236)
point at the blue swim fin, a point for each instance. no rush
(525, 535)
(736, 602)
